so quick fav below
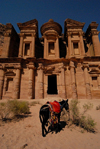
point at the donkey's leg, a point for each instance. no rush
(44, 131)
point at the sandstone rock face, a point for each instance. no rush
(65, 65)
(2, 32)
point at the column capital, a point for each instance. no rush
(21, 34)
(94, 32)
(69, 33)
(7, 34)
(72, 64)
(41, 66)
(33, 34)
(2, 66)
(85, 65)
(62, 67)
(17, 66)
(99, 66)
(31, 65)
(81, 33)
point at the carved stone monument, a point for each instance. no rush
(65, 65)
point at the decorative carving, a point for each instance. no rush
(2, 66)
(21, 34)
(72, 64)
(14, 65)
(85, 65)
(81, 33)
(94, 32)
(50, 68)
(41, 66)
(31, 65)
(69, 33)
(33, 34)
(7, 34)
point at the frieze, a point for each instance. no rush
(7, 34)
(94, 32)
(13, 65)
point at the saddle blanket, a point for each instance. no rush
(55, 106)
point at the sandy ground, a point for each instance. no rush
(27, 133)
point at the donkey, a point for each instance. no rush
(45, 115)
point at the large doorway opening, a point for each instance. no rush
(52, 84)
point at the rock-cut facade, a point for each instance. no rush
(57, 64)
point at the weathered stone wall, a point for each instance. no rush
(64, 65)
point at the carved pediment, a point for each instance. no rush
(32, 24)
(69, 23)
(94, 70)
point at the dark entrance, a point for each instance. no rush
(52, 84)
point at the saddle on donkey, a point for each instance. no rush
(55, 109)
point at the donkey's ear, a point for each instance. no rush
(67, 100)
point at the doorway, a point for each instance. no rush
(52, 84)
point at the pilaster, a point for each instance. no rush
(81, 44)
(17, 82)
(73, 81)
(45, 47)
(57, 47)
(40, 82)
(21, 45)
(87, 83)
(63, 94)
(96, 43)
(69, 44)
(1, 80)
(33, 45)
(31, 87)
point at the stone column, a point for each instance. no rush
(87, 82)
(45, 47)
(82, 44)
(31, 87)
(1, 81)
(69, 44)
(63, 92)
(96, 43)
(57, 47)
(17, 82)
(21, 45)
(40, 81)
(73, 81)
(33, 46)
(5, 84)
